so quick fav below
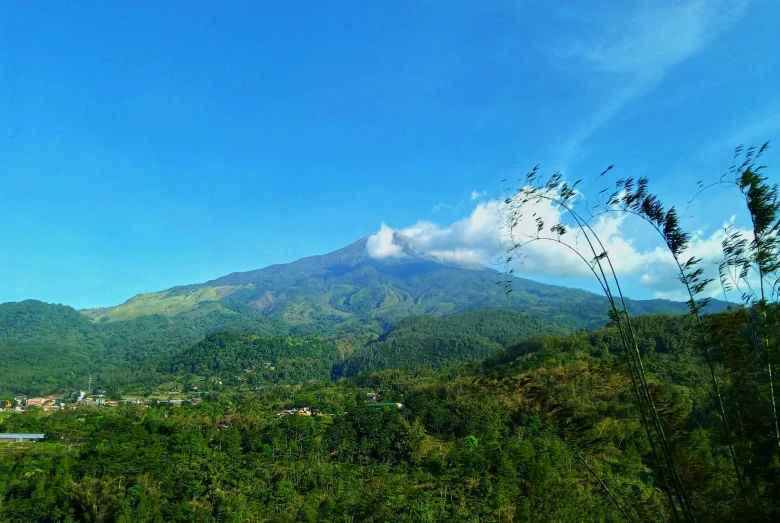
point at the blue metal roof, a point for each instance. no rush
(12, 435)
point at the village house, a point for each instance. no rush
(135, 401)
(303, 411)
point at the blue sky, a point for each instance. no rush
(145, 145)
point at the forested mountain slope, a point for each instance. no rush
(256, 359)
(46, 347)
(432, 341)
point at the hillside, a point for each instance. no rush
(257, 358)
(432, 341)
(427, 341)
(48, 347)
(45, 345)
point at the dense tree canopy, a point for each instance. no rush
(538, 432)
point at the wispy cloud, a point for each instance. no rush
(476, 195)
(441, 206)
(636, 48)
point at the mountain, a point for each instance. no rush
(345, 292)
(348, 291)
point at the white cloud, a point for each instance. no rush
(476, 195)
(470, 240)
(661, 35)
(661, 276)
(381, 245)
(466, 257)
(480, 239)
(637, 48)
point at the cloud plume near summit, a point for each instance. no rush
(481, 239)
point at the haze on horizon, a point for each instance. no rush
(143, 147)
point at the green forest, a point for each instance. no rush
(432, 341)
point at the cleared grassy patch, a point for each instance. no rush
(160, 303)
